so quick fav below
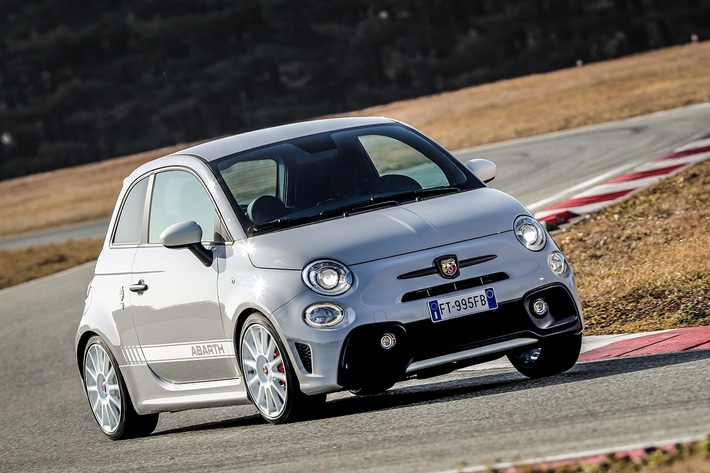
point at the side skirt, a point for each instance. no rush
(151, 394)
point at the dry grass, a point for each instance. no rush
(568, 98)
(682, 458)
(515, 108)
(65, 196)
(644, 264)
(18, 266)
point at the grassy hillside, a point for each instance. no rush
(643, 264)
(515, 108)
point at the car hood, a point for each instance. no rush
(389, 232)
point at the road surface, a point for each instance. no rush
(465, 418)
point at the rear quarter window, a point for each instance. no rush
(130, 221)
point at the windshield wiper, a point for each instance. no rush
(282, 222)
(372, 203)
(388, 200)
(421, 194)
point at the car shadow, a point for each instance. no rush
(502, 381)
(468, 385)
(247, 421)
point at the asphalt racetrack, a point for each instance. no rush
(463, 419)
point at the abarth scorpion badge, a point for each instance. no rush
(448, 266)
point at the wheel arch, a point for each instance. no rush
(81, 348)
(239, 324)
(83, 340)
(240, 320)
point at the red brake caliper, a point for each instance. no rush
(280, 368)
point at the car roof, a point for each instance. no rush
(211, 150)
(219, 148)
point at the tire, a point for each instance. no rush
(270, 380)
(549, 358)
(108, 397)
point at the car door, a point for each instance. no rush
(173, 296)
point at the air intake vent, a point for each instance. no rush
(453, 287)
(304, 352)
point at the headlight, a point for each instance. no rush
(529, 232)
(327, 277)
(557, 263)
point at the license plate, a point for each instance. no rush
(463, 304)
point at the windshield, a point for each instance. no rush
(337, 174)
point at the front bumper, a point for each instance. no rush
(426, 349)
(391, 296)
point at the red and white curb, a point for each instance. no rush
(599, 347)
(588, 459)
(620, 187)
(682, 339)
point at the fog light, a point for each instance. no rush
(324, 315)
(540, 307)
(388, 341)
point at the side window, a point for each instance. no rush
(391, 156)
(130, 222)
(179, 196)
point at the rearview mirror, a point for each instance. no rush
(187, 234)
(483, 169)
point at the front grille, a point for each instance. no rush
(464, 263)
(304, 353)
(453, 287)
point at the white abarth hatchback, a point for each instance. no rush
(280, 265)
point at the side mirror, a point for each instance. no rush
(188, 235)
(483, 169)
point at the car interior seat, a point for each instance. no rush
(266, 209)
(393, 183)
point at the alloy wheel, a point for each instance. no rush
(102, 388)
(264, 370)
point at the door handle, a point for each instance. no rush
(140, 287)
